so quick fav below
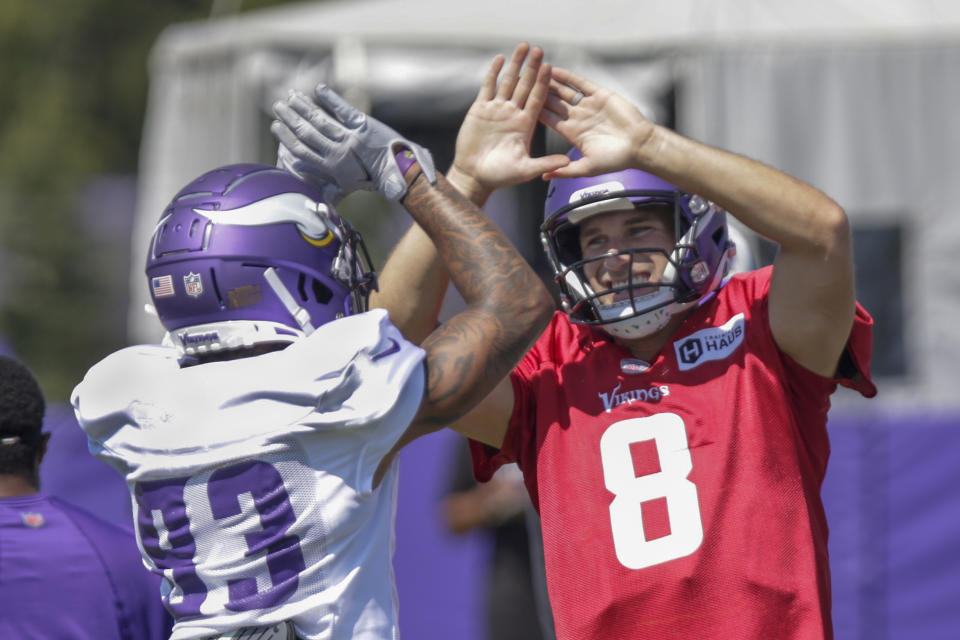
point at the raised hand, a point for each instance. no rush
(339, 149)
(493, 145)
(607, 128)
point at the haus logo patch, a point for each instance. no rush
(715, 343)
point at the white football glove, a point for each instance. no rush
(339, 149)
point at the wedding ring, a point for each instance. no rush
(577, 98)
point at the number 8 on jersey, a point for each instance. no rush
(634, 550)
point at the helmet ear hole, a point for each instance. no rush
(321, 292)
(301, 287)
(216, 289)
(718, 237)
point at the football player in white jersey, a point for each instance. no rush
(259, 440)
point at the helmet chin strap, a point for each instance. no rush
(632, 326)
(641, 326)
(635, 326)
(301, 315)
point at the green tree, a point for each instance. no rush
(74, 85)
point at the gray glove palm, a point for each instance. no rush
(339, 149)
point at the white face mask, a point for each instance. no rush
(644, 324)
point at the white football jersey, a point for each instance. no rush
(251, 479)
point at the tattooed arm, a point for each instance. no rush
(507, 308)
(507, 305)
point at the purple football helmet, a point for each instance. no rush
(695, 268)
(248, 254)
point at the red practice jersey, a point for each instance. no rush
(680, 498)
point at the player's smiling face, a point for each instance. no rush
(648, 228)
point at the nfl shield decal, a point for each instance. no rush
(33, 520)
(193, 284)
(633, 366)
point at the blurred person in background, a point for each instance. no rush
(64, 573)
(498, 509)
(671, 422)
(260, 442)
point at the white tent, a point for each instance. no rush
(855, 96)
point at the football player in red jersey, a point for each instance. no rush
(671, 421)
